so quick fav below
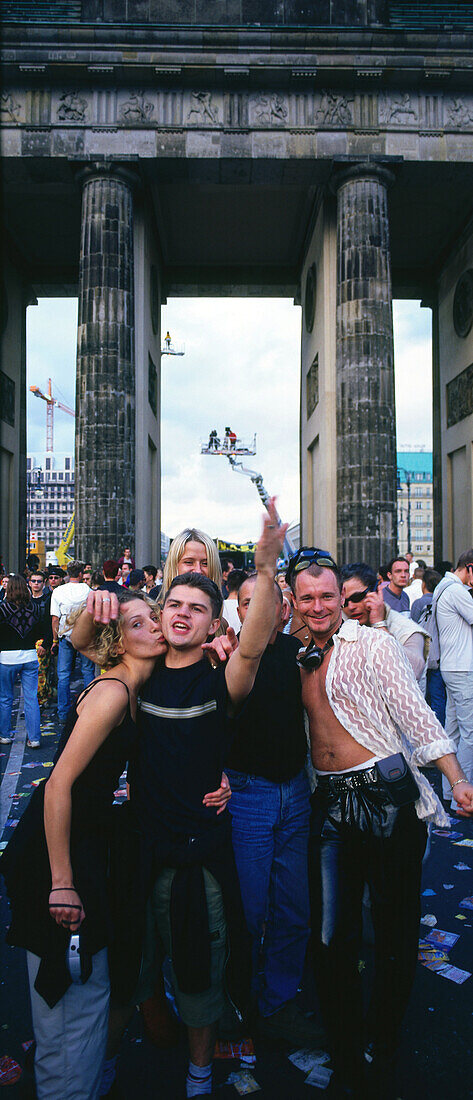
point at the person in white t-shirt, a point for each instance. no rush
(452, 606)
(63, 600)
(230, 606)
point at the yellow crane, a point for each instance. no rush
(51, 403)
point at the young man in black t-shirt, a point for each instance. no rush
(270, 812)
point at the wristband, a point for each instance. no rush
(458, 781)
(379, 625)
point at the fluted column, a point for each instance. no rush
(366, 415)
(105, 410)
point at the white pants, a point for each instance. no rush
(459, 722)
(71, 1038)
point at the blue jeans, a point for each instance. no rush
(29, 681)
(436, 695)
(270, 830)
(66, 658)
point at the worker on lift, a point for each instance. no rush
(230, 439)
(167, 340)
(214, 442)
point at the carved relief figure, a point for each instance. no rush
(202, 108)
(270, 109)
(398, 109)
(137, 108)
(459, 113)
(73, 107)
(9, 108)
(334, 109)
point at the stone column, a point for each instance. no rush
(366, 415)
(105, 412)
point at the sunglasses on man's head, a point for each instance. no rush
(306, 556)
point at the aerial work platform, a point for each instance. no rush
(229, 445)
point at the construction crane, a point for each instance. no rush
(51, 402)
(62, 555)
(230, 448)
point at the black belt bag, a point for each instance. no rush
(395, 776)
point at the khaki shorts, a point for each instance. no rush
(196, 1009)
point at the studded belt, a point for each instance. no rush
(350, 781)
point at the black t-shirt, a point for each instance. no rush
(183, 741)
(111, 586)
(268, 736)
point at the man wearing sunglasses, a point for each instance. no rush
(363, 706)
(364, 602)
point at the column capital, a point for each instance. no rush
(362, 170)
(108, 170)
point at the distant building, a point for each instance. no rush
(415, 520)
(50, 498)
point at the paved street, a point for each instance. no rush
(435, 1057)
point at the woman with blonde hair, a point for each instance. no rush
(192, 551)
(59, 854)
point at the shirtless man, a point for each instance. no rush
(360, 695)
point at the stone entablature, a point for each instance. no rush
(393, 122)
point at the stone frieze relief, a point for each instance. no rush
(311, 110)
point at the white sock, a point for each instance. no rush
(199, 1080)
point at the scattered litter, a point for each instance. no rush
(244, 1050)
(34, 764)
(244, 1082)
(429, 919)
(319, 1076)
(48, 764)
(10, 1071)
(361, 966)
(442, 939)
(11, 824)
(431, 957)
(305, 1059)
(3, 844)
(466, 843)
(120, 793)
(36, 782)
(448, 885)
(467, 903)
(27, 1044)
(448, 833)
(431, 1009)
(454, 974)
(462, 866)
(459, 916)
(429, 893)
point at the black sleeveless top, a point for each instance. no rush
(25, 862)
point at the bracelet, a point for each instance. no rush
(56, 889)
(458, 781)
(379, 625)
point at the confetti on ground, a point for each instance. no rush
(429, 893)
(3, 845)
(244, 1051)
(467, 843)
(319, 1076)
(244, 1082)
(305, 1059)
(27, 1044)
(442, 939)
(454, 974)
(462, 866)
(36, 782)
(459, 916)
(446, 833)
(429, 919)
(10, 1071)
(448, 885)
(467, 903)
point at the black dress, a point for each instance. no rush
(25, 862)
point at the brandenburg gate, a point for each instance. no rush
(321, 150)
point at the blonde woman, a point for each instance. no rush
(59, 853)
(192, 551)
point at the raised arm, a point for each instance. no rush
(259, 622)
(96, 720)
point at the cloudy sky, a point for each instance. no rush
(241, 368)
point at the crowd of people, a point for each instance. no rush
(274, 779)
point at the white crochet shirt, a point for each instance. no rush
(372, 691)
